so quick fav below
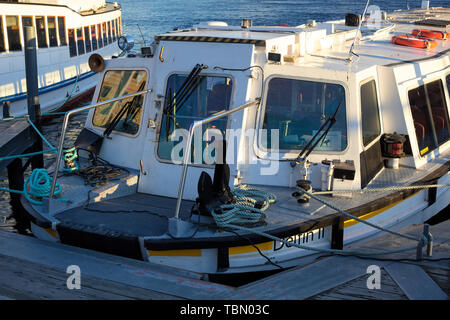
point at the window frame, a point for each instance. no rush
(160, 114)
(19, 26)
(56, 31)
(283, 153)
(418, 84)
(44, 18)
(380, 118)
(65, 43)
(91, 120)
(3, 34)
(75, 42)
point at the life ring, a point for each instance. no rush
(411, 41)
(431, 34)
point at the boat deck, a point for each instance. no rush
(145, 215)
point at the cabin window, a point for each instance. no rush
(72, 43)
(2, 37)
(370, 115)
(117, 28)
(429, 112)
(62, 31)
(12, 29)
(211, 95)
(117, 83)
(448, 84)
(100, 38)
(52, 37)
(109, 32)
(105, 38)
(298, 108)
(26, 22)
(80, 42)
(41, 33)
(93, 38)
(87, 39)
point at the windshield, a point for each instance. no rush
(297, 109)
(211, 95)
(117, 83)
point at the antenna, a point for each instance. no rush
(351, 53)
(143, 39)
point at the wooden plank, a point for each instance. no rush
(144, 275)
(302, 283)
(35, 281)
(415, 283)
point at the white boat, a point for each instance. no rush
(329, 127)
(67, 32)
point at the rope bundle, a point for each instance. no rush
(39, 185)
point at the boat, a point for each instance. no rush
(67, 32)
(224, 149)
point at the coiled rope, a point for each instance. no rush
(39, 185)
(247, 210)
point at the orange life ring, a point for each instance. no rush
(431, 34)
(411, 41)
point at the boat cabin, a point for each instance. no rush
(226, 149)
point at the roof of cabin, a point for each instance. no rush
(374, 48)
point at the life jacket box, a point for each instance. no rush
(343, 176)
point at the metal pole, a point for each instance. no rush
(188, 148)
(64, 128)
(31, 70)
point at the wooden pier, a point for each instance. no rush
(35, 269)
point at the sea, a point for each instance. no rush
(143, 19)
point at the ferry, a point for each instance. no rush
(67, 33)
(226, 149)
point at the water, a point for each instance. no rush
(159, 16)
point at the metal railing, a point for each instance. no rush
(66, 121)
(187, 152)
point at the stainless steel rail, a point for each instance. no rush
(187, 152)
(66, 121)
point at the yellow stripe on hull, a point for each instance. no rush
(176, 253)
(246, 249)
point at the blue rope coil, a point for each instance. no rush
(70, 157)
(38, 185)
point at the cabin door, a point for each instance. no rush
(186, 97)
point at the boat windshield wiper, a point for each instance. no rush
(175, 102)
(126, 108)
(311, 145)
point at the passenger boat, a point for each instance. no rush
(229, 149)
(67, 32)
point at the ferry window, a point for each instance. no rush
(118, 83)
(87, 39)
(429, 112)
(52, 37)
(117, 28)
(26, 22)
(72, 43)
(93, 38)
(41, 33)
(113, 30)
(62, 31)
(213, 94)
(370, 116)
(12, 29)
(297, 109)
(109, 32)
(105, 38)
(448, 84)
(80, 42)
(2, 37)
(100, 39)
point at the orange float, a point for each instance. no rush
(431, 34)
(411, 41)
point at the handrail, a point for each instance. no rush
(187, 153)
(66, 121)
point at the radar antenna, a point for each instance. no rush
(351, 53)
